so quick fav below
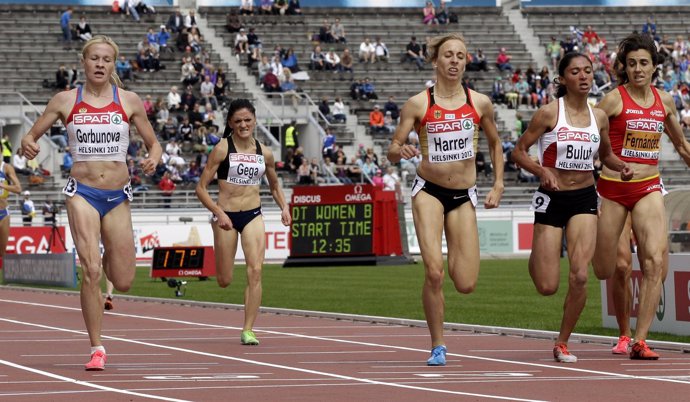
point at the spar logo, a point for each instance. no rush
(646, 125)
(98, 118)
(565, 134)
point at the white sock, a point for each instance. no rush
(95, 348)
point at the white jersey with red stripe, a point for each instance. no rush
(98, 134)
(567, 147)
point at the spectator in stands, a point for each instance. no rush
(206, 91)
(66, 29)
(220, 90)
(280, 7)
(196, 117)
(429, 14)
(162, 38)
(338, 110)
(511, 94)
(169, 130)
(149, 108)
(356, 89)
(380, 50)
(498, 94)
(192, 173)
(142, 7)
(233, 23)
(442, 13)
(277, 67)
(478, 62)
(131, 9)
(332, 61)
(325, 35)
(367, 51)
(289, 60)
(19, 163)
(523, 90)
(247, 7)
(175, 22)
(329, 145)
(389, 123)
(123, 68)
(188, 74)
(481, 164)
(325, 109)
(188, 98)
(6, 148)
(265, 7)
(391, 106)
(304, 175)
(58, 135)
(253, 41)
(503, 61)
(317, 59)
(346, 62)
(294, 8)
(338, 32)
(28, 209)
(391, 181)
(369, 168)
(62, 78)
(190, 20)
(241, 42)
(173, 99)
(263, 67)
(271, 83)
(289, 88)
(413, 53)
(553, 50)
(368, 90)
(83, 29)
(376, 123)
(167, 188)
(341, 170)
(590, 36)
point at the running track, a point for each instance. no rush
(191, 352)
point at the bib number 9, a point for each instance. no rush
(540, 202)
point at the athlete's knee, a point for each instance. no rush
(91, 275)
(546, 288)
(224, 280)
(578, 280)
(465, 286)
(653, 268)
(434, 278)
(122, 284)
(253, 274)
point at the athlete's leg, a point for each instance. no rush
(650, 227)
(119, 255)
(462, 239)
(225, 248)
(545, 259)
(621, 290)
(609, 229)
(4, 235)
(428, 216)
(85, 226)
(254, 246)
(581, 246)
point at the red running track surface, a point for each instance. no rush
(173, 352)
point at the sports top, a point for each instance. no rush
(567, 147)
(449, 135)
(98, 134)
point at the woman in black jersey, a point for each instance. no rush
(241, 162)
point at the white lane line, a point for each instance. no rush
(482, 358)
(321, 353)
(109, 355)
(84, 383)
(279, 366)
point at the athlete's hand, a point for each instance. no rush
(148, 165)
(493, 198)
(548, 181)
(285, 216)
(30, 147)
(223, 221)
(408, 151)
(627, 173)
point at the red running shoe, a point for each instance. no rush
(97, 362)
(640, 351)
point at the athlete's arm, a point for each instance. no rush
(54, 110)
(409, 115)
(608, 158)
(486, 108)
(216, 156)
(141, 122)
(543, 121)
(611, 104)
(16, 186)
(274, 185)
(673, 128)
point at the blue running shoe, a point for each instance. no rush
(438, 356)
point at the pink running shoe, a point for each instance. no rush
(97, 362)
(621, 347)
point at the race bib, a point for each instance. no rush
(540, 202)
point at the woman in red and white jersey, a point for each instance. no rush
(639, 114)
(97, 116)
(569, 134)
(447, 117)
